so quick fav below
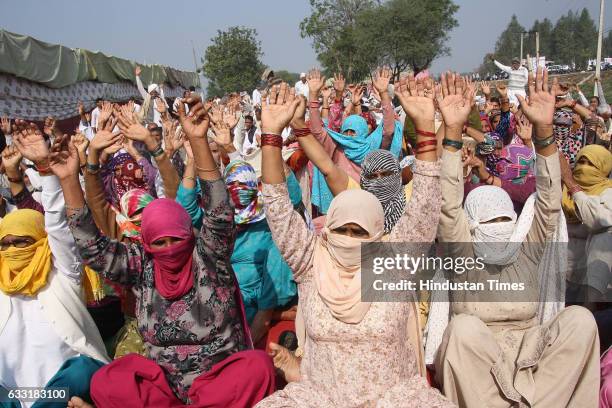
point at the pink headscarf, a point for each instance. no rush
(172, 264)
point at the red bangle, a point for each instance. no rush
(573, 189)
(573, 105)
(301, 132)
(425, 133)
(15, 180)
(492, 178)
(42, 170)
(268, 139)
(426, 143)
(314, 104)
(426, 151)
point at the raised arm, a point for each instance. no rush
(143, 92)
(315, 83)
(336, 178)
(380, 81)
(108, 257)
(501, 66)
(294, 240)
(455, 100)
(540, 110)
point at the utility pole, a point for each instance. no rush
(599, 43)
(537, 33)
(195, 62)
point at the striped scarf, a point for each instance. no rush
(388, 189)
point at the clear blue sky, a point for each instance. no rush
(156, 31)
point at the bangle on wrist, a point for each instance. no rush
(42, 169)
(421, 145)
(543, 142)
(425, 133)
(206, 170)
(573, 105)
(301, 132)
(92, 168)
(158, 151)
(269, 139)
(314, 104)
(492, 178)
(453, 143)
(419, 152)
(324, 108)
(190, 177)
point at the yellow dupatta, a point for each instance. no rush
(592, 178)
(25, 271)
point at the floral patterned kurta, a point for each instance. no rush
(189, 335)
(371, 363)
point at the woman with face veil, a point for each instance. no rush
(355, 353)
(494, 352)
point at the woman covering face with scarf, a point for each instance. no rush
(491, 352)
(381, 176)
(569, 140)
(265, 280)
(188, 306)
(337, 325)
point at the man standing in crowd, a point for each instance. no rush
(301, 86)
(517, 80)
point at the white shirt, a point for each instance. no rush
(31, 351)
(94, 118)
(301, 88)
(518, 77)
(256, 98)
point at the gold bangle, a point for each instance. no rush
(189, 178)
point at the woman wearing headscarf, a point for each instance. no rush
(496, 353)
(341, 364)
(188, 306)
(47, 337)
(265, 279)
(568, 135)
(349, 147)
(587, 203)
(116, 194)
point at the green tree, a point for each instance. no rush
(564, 40)
(232, 62)
(545, 28)
(332, 28)
(289, 77)
(508, 46)
(586, 39)
(607, 45)
(406, 33)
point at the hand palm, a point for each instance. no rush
(64, 164)
(34, 148)
(540, 109)
(417, 106)
(274, 116)
(455, 110)
(193, 129)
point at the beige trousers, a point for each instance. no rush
(555, 365)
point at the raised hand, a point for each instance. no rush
(137, 71)
(502, 89)
(160, 106)
(230, 119)
(524, 129)
(339, 83)
(381, 79)
(316, 81)
(455, 98)
(49, 126)
(196, 123)
(105, 113)
(11, 159)
(30, 142)
(104, 139)
(80, 142)
(131, 128)
(486, 88)
(417, 98)
(278, 112)
(540, 107)
(81, 108)
(223, 134)
(5, 125)
(356, 94)
(64, 158)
